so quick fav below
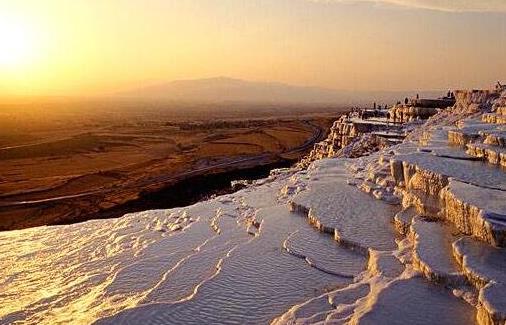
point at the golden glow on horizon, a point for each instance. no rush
(90, 47)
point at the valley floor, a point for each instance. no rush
(90, 166)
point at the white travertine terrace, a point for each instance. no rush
(408, 233)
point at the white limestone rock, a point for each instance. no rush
(412, 301)
(353, 217)
(485, 267)
(476, 211)
(432, 252)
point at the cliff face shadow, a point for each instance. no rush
(190, 191)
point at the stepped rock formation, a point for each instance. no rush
(359, 137)
(410, 232)
(368, 130)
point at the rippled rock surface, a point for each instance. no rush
(411, 234)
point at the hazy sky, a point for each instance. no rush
(94, 46)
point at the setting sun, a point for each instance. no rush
(17, 42)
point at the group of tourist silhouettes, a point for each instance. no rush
(378, 110)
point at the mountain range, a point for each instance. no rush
(224, 89)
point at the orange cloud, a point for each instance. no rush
(443, 5)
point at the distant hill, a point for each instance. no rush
(235, 90)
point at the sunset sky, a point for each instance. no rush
(90, 47)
